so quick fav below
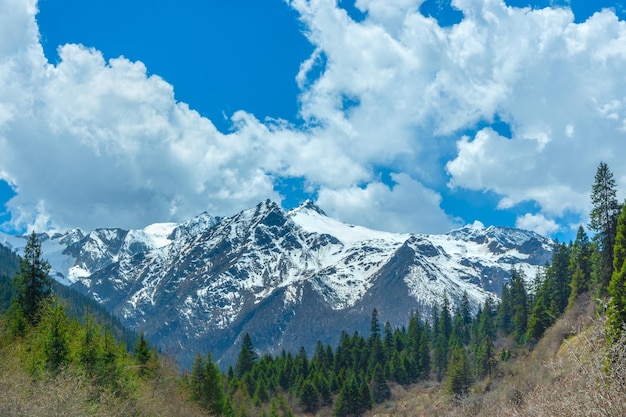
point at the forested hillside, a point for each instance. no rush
(553, 347)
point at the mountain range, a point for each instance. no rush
(288, 278)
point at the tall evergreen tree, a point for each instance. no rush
(580, 266)
(380, 388)
(459, 372)
(504, 315)
(540, 316)
(616, 312)
(558, 277)
(603, 216)
(519, 300)
(374, 324)
(31, 284)
(308, 397)
(56, 342)
(247, 357)
(143, 354)
(348, 401)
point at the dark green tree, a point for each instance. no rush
(483, 357)
(519, 300)
(308, 397)
(348, 403)
(603, 221)
(143, 354)
(616, 312)
(580, 266)
(504, 316)
(486, 325)
(198, 379)
(56, 343)
(90, 349)
(459, 372)
(540, 317)
(247, 357)
(380, 388)
(558, 277)
(374, 324)
(31, 284)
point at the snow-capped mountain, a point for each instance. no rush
(289, 278)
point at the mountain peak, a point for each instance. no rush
(308, 205)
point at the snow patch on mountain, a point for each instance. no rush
(203, 282)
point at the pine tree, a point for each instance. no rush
(558, 277)
(459, 372)
(247, 357)
(616, 312)
(90, 349)
(56, 343)
(504, 316)
(380, 388)
(308, 397)
(540, 317)
(486, 325)
(348, 401)
(32, 285)
(580, 266)
(143, 354)
(519, 300)
(465, 309)
(603, 218)
(215, 397)
(374, 324)
(484, 357)
(197, 379)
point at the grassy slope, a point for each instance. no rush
(70, 393)
(565, 374)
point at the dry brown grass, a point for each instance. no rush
(70, 393)
(566, 374)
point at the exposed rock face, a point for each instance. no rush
(287, 278)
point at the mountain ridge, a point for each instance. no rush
(288, 278)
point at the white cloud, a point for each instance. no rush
(537, 223)
(93, 143)
(408, 206)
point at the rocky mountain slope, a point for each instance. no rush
(287, 278)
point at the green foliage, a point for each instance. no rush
(580, 266)
(603, 220)
(247, 357)
(616, 312)
(54, 327)
(459, 372)
(206, 387)
(380, 388)
(31, 284)
(353, 399)
(556, 290)
(308, 397)
(540, 316)
(9, 265)
(143, 355)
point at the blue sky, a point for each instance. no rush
(401, 115)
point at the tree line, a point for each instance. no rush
(454, 345)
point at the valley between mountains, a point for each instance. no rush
(288, 278)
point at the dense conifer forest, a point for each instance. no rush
(461, 355)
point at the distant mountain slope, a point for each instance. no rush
(287, 278)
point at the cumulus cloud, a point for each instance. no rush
(537, 223)
(415, 208)
(93, 143)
